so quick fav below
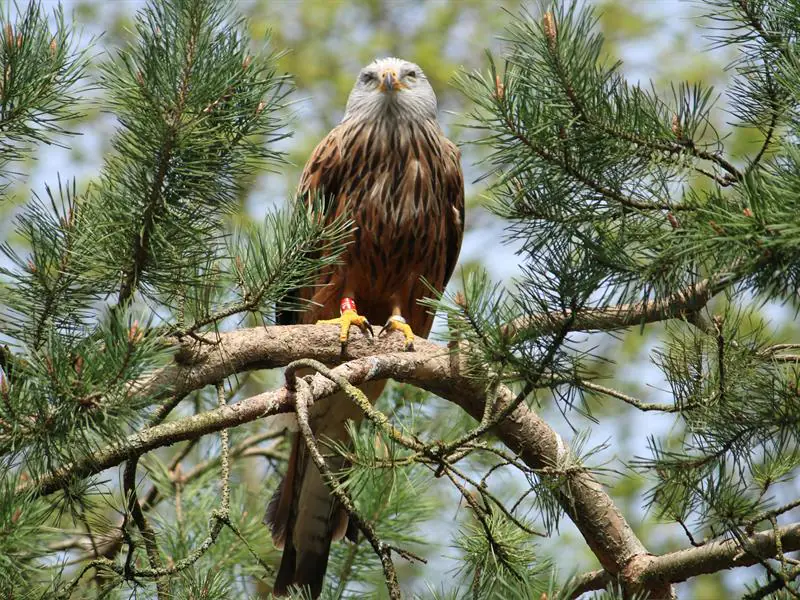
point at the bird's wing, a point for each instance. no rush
(453, 188)
(323, 174)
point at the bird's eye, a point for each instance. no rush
(367, 77)
(412, 74)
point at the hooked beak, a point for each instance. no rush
(389, 81)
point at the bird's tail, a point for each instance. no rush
(303, 515)
(308, 534)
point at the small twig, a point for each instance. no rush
(357, 396)
(643, 406)
(476, 582)
(688, 533)
(99, 564)
(480, 514)
(148, 535)
(773, 122)
(786, 358)
(779, 546)
(346, 570)
(437, 455)
(219, 517)
(89, 533)
(717, 321)
(268, 452)
(495, 501)
(780, 581)
(381, 549)
(767, 590)
(250, 549)
(769, 514)
(408, 555)
(178, 485)
(224, 461)
(778, 348)
(530, 384)
(722, 181)
(521, 499)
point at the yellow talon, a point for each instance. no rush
(398, 323)
(348, 319)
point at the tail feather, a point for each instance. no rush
(285, 576)
(304, 531)
(278, 515)
(311, 567)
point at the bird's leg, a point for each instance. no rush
(349, 317)
(397, 323)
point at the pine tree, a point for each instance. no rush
(131, 391)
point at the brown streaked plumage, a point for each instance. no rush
(388, 167)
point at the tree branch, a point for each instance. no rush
(148, 535)
(384, 552)
(643, 406)
(430, 368)
(681, 304)
(691, 562)
(596, 121)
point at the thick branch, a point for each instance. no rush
(681, 304)
(272, 347)
(691, 562)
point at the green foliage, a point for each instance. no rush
(497, 557)
(605, 188)
(44, 289)
(290, 248)
(40, 66)
(20, 518)
(741, 421)
(71, 396)
(585, 160)
(197, 111)
(387, 494)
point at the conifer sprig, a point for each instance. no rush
(40, 67)
(197, 112)
(605, 186)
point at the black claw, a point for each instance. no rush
(409, 347)
(385, 329)
(368, 327)
(344, 349)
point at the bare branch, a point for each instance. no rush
(643, 406)
(690, 562)
(681, 304)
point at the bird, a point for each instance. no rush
(389, 168)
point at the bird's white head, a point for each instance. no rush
(391, 88)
